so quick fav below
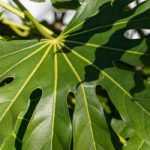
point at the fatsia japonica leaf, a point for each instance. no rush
(36, 78)
(101, 43)
(26, 63)
(125, 132)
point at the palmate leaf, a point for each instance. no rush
(37, 76)
(107, 37)
(26, 65)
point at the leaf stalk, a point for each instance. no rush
(22, 13)
(11, 9)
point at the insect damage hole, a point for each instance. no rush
(36, 94)
(6, 81)
(34, 99)
(71, 100)
(71, 103)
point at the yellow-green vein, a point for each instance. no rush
(22, 60)
(108, 48)
(97, 27)
(72, 29)
(55, 94)
(84, 96)
(102, 71)
(110, 78)
(25, 84)
(21, 50)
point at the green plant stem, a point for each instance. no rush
(8, 22)
(11, 9)
(42, 29)
(20, 29)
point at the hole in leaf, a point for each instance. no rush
(108, 105)
(71, 100)
(146, 31)
(34, 99)
(132, 34)
(101, 91)
(71, 106)
(127, 139)
(105, 99)
(91, 73)
(135, 3)
(6, 81)
(36, 95)
(124, 66)
(136, 34)
(71, 103)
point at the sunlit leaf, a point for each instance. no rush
(39, 78)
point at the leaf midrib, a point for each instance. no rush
(22, 60)
(20, 50)
(84, 96)
(106, 47)
(102, 27)
(55, 95)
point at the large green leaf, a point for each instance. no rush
(36, 78)
(28, 63)
(102, 46)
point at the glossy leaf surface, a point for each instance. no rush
(38, 80)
